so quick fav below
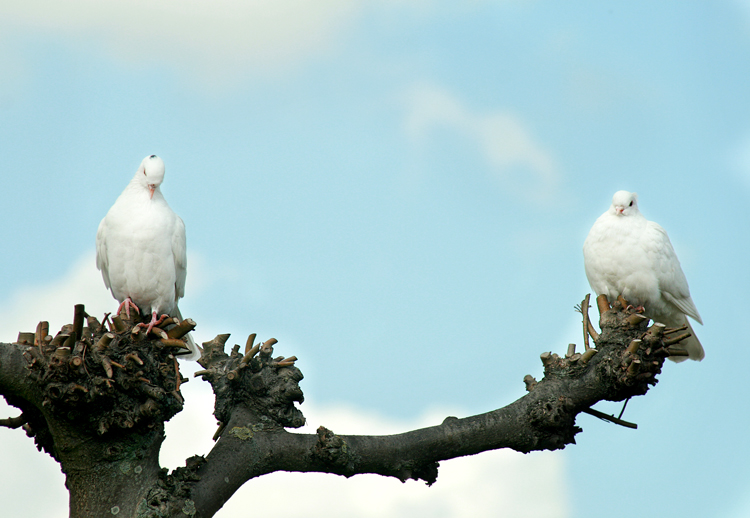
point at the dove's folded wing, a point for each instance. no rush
(672, 281)
(179, 251)
(102, 263)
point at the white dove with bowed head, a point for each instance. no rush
(625, 254)
(140, 248)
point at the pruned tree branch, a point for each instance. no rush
(13, 422)
(96, 399)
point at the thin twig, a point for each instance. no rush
(222, 425)
(593, 332)
(676, 339)
(623, 408)
(672, 330)
(249, 343)
(610, 418)
(106, 322)
(585, 313)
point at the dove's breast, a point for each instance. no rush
(139, 255)
(615, 261)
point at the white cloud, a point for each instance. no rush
(499, 483)
(215, 42)
(82, 284)
(54, 302)
(503, 139)
(23, 471)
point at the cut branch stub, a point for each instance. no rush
(635, 364)
(636, 318)
(602, 304)
(42, 330)
(13, 422)
(269, 387)
(627, 358)
(118, 325)
(182, 328)
(25, 338)
(105, 383)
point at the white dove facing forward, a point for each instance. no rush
(140, 248)
(625, 254)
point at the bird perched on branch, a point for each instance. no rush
(627, 255)
(140, 249)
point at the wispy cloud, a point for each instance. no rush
(486, 485)
(504, 140)
(53, 302)
(215, 42)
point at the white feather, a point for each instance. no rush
(625, 254)
(140, 246)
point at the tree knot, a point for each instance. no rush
(332, 449)
(171, 495)
(554, 422)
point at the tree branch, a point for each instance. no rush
(96, 400)
(253, 443)
(13, 422)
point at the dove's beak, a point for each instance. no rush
(619, 209)
(151, 189)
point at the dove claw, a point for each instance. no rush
(127, 304)
(151, 326)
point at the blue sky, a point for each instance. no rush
(399, 191)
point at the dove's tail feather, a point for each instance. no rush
(692, 344)
(194, 353)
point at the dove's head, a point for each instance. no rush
(624, 203)
(151, 173)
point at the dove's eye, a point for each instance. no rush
(631, 201)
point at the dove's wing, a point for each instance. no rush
(179, 252)
(672, 282)
(687, 306)
(102, 263)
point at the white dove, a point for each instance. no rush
(625, 254)
(140, 249)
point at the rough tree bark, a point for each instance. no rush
(96, 397)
